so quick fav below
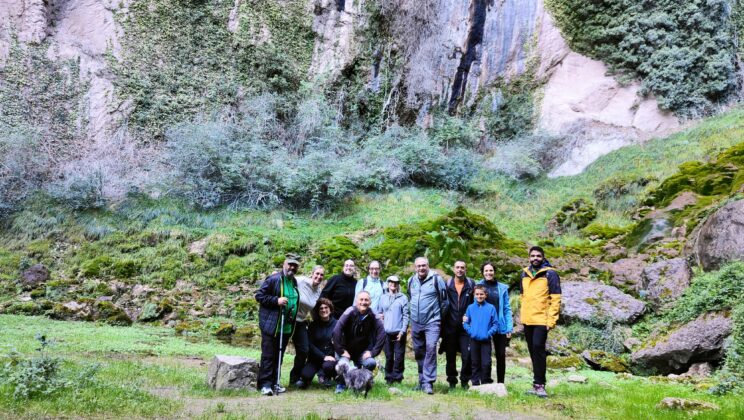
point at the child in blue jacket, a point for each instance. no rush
(481, 322)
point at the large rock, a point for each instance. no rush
(626, 272)
(590, 300)
(665, 281)
(34, 276)
(721, 237)
(232, 372)
(700, 340)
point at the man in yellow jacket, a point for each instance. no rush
(540, 305)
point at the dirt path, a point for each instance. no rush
(324, 404)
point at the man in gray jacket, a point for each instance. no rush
(428, 305)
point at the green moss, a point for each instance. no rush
(245, 335)
(565, 362)
(722, 176)
(609, 362)
(333, 252)
(224, 330)
(125, 268)
(603, 231)
(24, 308)
(237, 269)
(110, 313)
(576, 214)
(188, 327)
(245, 309)
(459, 235)
(95, 267)
(9, 265)
(38, 293)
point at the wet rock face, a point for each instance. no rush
(721, 237)
(585, 301)
(700, 340)
(665, 281)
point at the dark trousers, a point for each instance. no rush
(536, 336)
(499, 348)
(395, 355)
(480, 357)
(458, 343)
(327, 369)
(302, 347)
(268, 368)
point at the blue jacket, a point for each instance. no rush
(482, 321)
(426, 305)
(267, 297)
(498, 296)
(376, 289)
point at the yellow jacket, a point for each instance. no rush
(541, 296)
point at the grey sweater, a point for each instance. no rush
(395, 310)
(308, 297)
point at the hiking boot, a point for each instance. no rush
(340, 388)
(278, 389)
(452, 386)
(540, 391)
(427, 389)
(266, 391)
(300, 384)
(417, 387)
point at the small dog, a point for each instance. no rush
(358, 379)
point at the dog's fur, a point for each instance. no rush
(358, 379)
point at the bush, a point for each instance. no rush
(709, 292)
(524, 157)
(23, 166)
(599, 334)
(34, 377)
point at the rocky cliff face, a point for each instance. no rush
(475, 48)
(453, 56)
(78, 30)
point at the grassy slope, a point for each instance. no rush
(136, 360)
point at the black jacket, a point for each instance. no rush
(340, 290)
(267, 297)
(458, 305)
(357, 333)
(320, 335)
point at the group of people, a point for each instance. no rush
(351, 321)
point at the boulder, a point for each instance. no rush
(585, 301)
(700, 340)
(721, 238)
(626, 272)
(34, 276)
(683, 404)
(232, 372)
(699, 370)
(665, 281)
(498, 390)
(600, 360)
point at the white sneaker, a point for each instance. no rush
(501, 390)
(266, 391)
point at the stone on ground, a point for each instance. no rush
(683, 404)
(498, 390)
(232, 372)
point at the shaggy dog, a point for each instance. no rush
(358, 379)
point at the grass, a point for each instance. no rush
(137, 361)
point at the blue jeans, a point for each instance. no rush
(425, 338)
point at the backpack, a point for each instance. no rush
(364, 284)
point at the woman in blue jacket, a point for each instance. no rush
(498, 296)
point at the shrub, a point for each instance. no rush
(709, 292)
(598, 334)
(576, 214)
(34, 377)
(23, 166)
(525, 157)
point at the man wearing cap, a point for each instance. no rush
(277, 296)
(394, 313)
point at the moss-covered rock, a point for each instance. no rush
(245, 308)
(565, 362)
(96, 266)
(225, 329)
(109, 313)
(188, 327)
(333, 252)
(245, 336)
(574, 215)
(458, 235)
(601, 360)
